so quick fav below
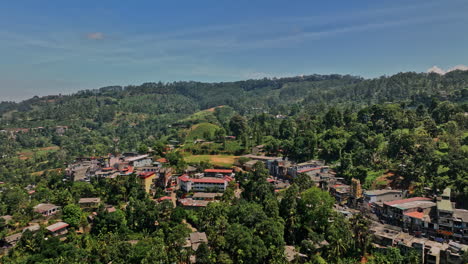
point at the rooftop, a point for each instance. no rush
(217, 171)
(264, 158)
(13, 238)
(140, 157)
(461, 214)
(310, 169)
(397, 202)
(196, 238)
(381, 192)
(185, 178)
(43, 207)
(57, 226)
(145, 175)
(418, 215)
(206, 195)
(90, 200)
(32, 228)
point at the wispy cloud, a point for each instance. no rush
(436, 69)
(95, 35)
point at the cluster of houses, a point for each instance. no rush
(432, 226)
(50, 221)
(435, 218)
(60, 130)
(151, 173)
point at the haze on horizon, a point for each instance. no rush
(61, 46)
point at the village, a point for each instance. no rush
(430, 225)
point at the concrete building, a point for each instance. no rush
(204, 184)
(382, 196)
(89, 202)
(46, 209)
(394, 211)
(58, 229)
(304, 167)
(147, 180)
(139, 161)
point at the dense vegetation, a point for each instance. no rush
(412, 125)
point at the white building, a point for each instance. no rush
(204, 184)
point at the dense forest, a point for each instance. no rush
(414, 125)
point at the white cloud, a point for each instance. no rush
(95, 35)
(435, 69)
(458, 67)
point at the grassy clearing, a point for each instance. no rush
(201, 130)
(373, 179)
(217, 160)
(28, 153)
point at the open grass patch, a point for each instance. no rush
(217, 160)
(202, 131)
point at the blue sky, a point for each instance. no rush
(51, 47)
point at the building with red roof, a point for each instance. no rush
(203, 184)
(164, 198)
(412, 208)
(217, 172)
(147, 180)
(58, 229)
(162, 160)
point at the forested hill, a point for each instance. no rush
(273, 95)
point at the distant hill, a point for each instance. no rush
(166, 103)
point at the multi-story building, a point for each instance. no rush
(204, 184)
(382, 196)
(394, 211)
(147, 180)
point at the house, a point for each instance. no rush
(203, 184)
(147, 180)
(248, 166)
(382, 196)
(46, 209)
(32, 228)
(139, 161)
(197, 238)
(432, 252)
(304, 167)
(58, 229)
(89, 202)
(258, 149)
(10, 241)
(292, 254)
(341, 192)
